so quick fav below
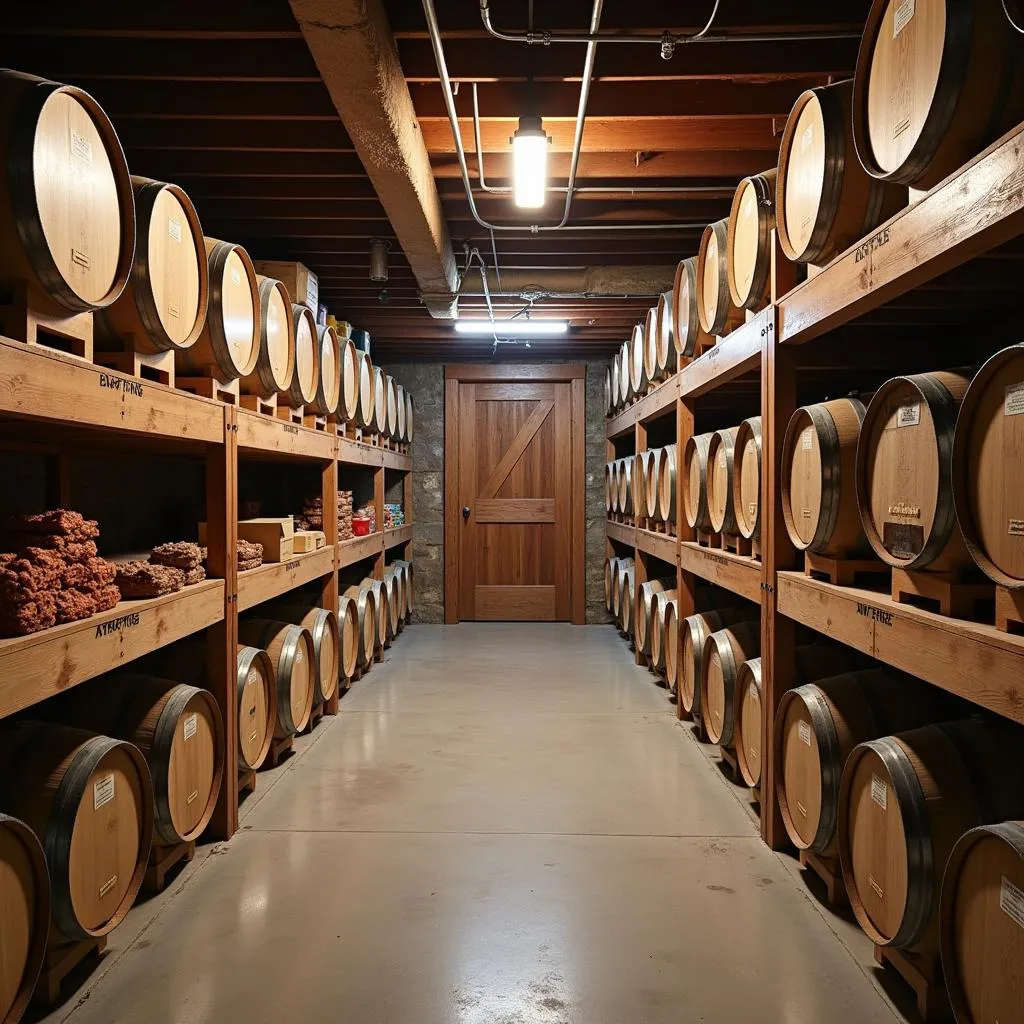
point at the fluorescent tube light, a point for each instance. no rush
(511, 328)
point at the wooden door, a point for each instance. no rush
(516, 479)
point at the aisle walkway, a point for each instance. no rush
(506, 825)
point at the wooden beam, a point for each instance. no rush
(325, 140)
(237, 164)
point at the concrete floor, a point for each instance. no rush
(505, 825)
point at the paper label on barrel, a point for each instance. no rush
(1011, 901)
(879, 792)
(191, 724)
(174, 229)
(909, 415)
(1013, 404)
(806, 138)
(79, 257)
(1016, 528)
(807, 439)
(81, 147)
(805, 732)
(251, 680)
(103, 791)
(902, 16)
(108, 885)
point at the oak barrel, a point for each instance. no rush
(400, 411)
(724, 651)
(749, 241)
(627, 597)
(383, 607)
(163, 306)
(666, 470)
(367, 400)
(819, 494)
(625, 381)
(905, 470)
(695, 486)
(670, 645)
(611, 566)
(981, 924)
(626, 471)
(302, 388)
(611, 388)
(291, 653)
(638, 382)
(348, 630)
(257, 706)
(746, 478)
(988, 487)
(665, 335)
(652, 371)
(714, 304)
(229, 344)
(720, 494)
(696, 629)
(366, 613)
(349, 367)
(935, 83)
(654, 472)
(394, 591)
(622, 566)
(409, 415)
(685, 319)
(749, 721)
(407, 584)
(328, 378)
(67, 216)
(643, 474)
(904, 801)
(322, 624)
(390, 406)
(645, 611)
(608, 486)
(25, 898)
(275, 365)
(824, 199)
(379, 422)
(657, 626)
(89, 800)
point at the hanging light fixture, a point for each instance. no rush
(530, 162)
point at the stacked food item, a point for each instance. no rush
(53, 573)
(250, 555)
(170, 567)
(394, 515)
(344, 515)
(312, 517)
(368, 514)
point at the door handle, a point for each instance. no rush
(465, 511)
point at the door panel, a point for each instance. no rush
(515, 458)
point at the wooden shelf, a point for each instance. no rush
(733, 356)
(358, 548)
(258, 433)
(40, 384)
(660, 545)
(355, 453)
(975, 661)
(738, 573)
(42, 664)
(396, 460)
(974, 210)
(272, 579)
(399, 535)
(659, 402)
(621, 532)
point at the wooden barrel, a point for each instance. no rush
(323, 627)
(229, 344)
(714, 305)
(89, 800)
(696, 629)
(25, 897)
(638, 382)
(367, 398)
(659, 613)
(350, 367)
(695, 489)
(981, 924)
(986, 467)
(626, 470)
(720, 493)
(348, 630)
(749, 241)
(409, 411)
(724, 651)
(291, 653)
(328, 378)
(163, 306)
(625, 381)
(819, 493)
(67, 217)
(817, 725)
(366, 614)
(621, 567)
(749, 721)
(257, 706)
(627, 598)
(905, 471)
(390, 406)
(666, 470)
(179, 730)
(824, 200)
(407, 584)
(645, 611)
(746, 478)
(302, 388)
(611, 566)
(400, 410)
(685, 318)
(904, 801)
(608, 486)
(935, 84)
(665, 335)
(642, 462)
(670, 645)
(382, 605)
(611, 387)
(655, 473)
(652, 371)
(393, 586)
(275, 365)
(379, 422)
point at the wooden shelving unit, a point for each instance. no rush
(760, 367)
(272, 579)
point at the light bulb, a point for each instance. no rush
(529, 163)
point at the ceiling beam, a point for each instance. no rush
(354, 49)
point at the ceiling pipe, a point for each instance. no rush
(667, 41)
(582, 282)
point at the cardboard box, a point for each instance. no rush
(276, 535)
(308, 540)
(300, 281)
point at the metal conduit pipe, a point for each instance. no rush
(434, 31)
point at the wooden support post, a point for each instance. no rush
(686, 582)
(378, 505)
(639, 557)
(329, 583)
(578, 533)
(222, 638)
(778, 634)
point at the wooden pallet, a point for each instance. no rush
(23, 319)
(289, 414)
(924, 975)
(254, 403)
(942, 592)
(729, 757)
(315, 421)
(210, 387)
(152, 366)
(736, 543)
(162, 859)
(829, 871)
(59, 962)
(279, 749)
(843, 572)
(246, 782)
(315, 717)
(1009, 610)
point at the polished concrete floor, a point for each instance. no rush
(506, 825)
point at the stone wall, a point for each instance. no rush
(426, 382)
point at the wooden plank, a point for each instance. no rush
(515, 391)
(974, 210)
(275, 578)
(257, 432)
(515, 450)
(399, 535)
(515, 510)
(41, 384)
(514, 604)
(329, 598)
(452, 512)
(357, 548)
(737, 573)
(578, 575)
(530, 372)
(661, 545)
(353, 453)
(42, 664)
(736, 354)
(973, 660)
(622, 533)
(391, 459)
